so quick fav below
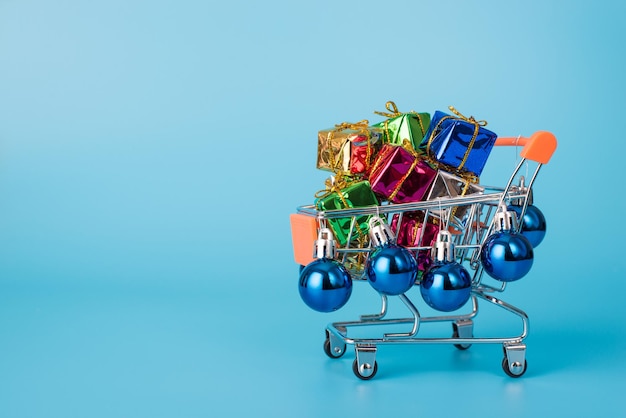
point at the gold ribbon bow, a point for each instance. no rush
(360, 126)
(394, 113)
(459, 116)
(336, 185)
(391, 107)
(470, 119)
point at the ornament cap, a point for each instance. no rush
(380, 233)
(522, 188)
(504, 219)
(443, 251)
(324, 245)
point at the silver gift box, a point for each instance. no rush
(447, 185)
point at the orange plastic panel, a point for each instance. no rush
(303, 237)
(539, 147)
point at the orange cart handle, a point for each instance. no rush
(539, 147)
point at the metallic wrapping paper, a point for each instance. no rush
(413, 232)
(448, 185)
(412, 126)
(354, 195)
(399, 176)
(346, 150)
(450, 141)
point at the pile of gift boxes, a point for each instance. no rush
(407, 157)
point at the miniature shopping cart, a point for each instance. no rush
(471, 219)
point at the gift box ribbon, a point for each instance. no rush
(408, 146)
(394, 113)
(340, 182)
(459, 116)
(361, 127)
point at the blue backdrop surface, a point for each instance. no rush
(151, 152)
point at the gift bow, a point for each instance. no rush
(394, 113)
(357, 126)
(470, 119)
(335, 185)
(391, 107)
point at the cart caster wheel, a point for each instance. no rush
(514, 370)
(461, 347)
(368, 371)
(463, 329)
(335, 352)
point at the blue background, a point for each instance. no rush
(151, 152)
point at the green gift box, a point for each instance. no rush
(400, 126)
(347, 194)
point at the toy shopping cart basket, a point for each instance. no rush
(478, 233)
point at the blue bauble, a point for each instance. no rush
(325, 285)
(533, 224)
(446, 287)
(391, 269)
(506, 256)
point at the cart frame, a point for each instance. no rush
(470, 233)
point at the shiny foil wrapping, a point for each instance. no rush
(449, 142)
(413, 232)
(412, 126)
(399, 176)
(448, 185)
(354, 195)
(348, 150)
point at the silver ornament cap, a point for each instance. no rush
(443, 251)
(504, 219)
(325, 244)
(522, 188)
(380, 233)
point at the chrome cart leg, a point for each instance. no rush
(463, 328)
(381, 315)
(334, 346)
(514, 363)
(364, 366)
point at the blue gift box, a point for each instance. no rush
(460, 144)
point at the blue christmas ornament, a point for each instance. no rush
(325, 285)
(446, 285)
(391, 269)
(506, 255)
(533, 223)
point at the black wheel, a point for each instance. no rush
(357, 372)
(333, 354)
(461, 347)
(507, 370)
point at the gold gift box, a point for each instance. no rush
(348, 148)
